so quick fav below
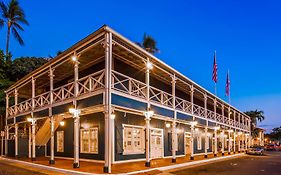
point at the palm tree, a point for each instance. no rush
(13, 16)
(255, 117)
(149, 44)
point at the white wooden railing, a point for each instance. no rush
(87, 84)
(124, 84)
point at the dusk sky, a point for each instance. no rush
(245, 34)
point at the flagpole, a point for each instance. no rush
(216, 89)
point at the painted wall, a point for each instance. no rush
(91, 120)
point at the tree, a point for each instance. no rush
(255, 117)
(11, 72)
(13, 16)
(149, 44)
(24, 65)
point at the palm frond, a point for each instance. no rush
(17, 36)
(16, 25)
(4, 10)
(1, 23)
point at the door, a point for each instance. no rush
(156, 143)
(187, 136)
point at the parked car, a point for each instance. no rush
(270, 147)
(255, 151)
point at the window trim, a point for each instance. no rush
(89, 143)
(126, 152)
(62, 146)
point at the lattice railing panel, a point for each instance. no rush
(128, 85)
(198, 110)
(183, 105)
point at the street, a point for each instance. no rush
(269, 164)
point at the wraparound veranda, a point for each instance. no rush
(108, 100)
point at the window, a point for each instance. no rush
(60, 141)
(89, 140)
(207, 141)
(199, 142)
(133, 139)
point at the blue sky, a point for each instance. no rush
(246, 35)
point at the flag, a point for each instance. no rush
(227, 88)
(215, 69)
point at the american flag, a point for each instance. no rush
(227, 88)
(215, 69)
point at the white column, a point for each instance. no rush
(76, 129)
(239, 141)
(174, 132)
(109, 122)
(206, 138)
(6, 126)
(192, 126)
(216, 142)
(33, 125)
(16, 140)
(52, 122)
(229, 142)
(222, 143)
(192, 142)
(206, 129)
(234, 141)
(29, 142)
(147, 119)
(76, 163)
(52, 146)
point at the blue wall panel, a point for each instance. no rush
(127, 102)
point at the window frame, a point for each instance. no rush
(60, 137)
(89, 140)
(142, 139)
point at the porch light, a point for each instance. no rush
(112, 116)
(29, 119)
(168, 125)
(62, 123)
(74, 58)
(193, 123)
(217, 127)
(75, 112)
(149, 65)
(148, 113)
(230, 130)
(196, 129)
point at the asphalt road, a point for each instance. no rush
(9, 169)
(269, 164)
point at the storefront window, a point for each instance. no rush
(60, 141)
(89, 140)
(133, 139)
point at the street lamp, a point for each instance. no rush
(149, 113)
(193, 123)
(149, 65)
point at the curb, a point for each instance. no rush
(165, 168)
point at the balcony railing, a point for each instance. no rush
(87, 84)
(124, 84)
(129, 86)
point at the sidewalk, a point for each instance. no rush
(157, 166)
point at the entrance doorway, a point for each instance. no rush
(156, 143)
(187, 138)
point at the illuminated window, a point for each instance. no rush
(133, 139)
(89, 140)
(207, 141)
(199, 142)
(60, 141)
